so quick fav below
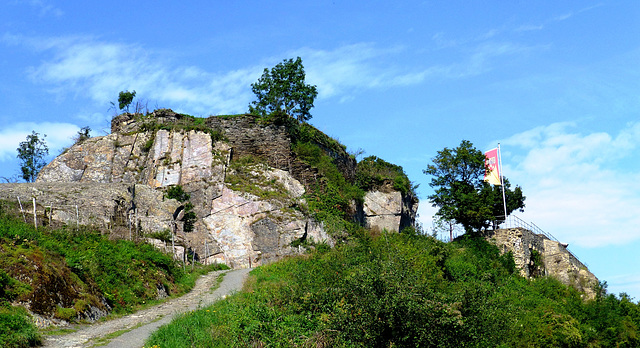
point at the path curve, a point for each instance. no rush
(148, 320)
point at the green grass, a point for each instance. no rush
(62, 272)
(402, 290)
(16, 328)
(247, 174)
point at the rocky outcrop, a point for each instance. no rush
(244, 216)
(536, 255)
(390, 210)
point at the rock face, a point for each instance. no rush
(535, 254)
(389, 210)
(243, 216)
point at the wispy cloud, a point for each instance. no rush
(530, 27)
(58, 135)
(44, 8)
(576, 184)
(364, 66)
(99, 70)
(85, 66)
(629, 283)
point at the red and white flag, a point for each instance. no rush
(492, 174)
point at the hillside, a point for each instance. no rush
(341, 260)
(406, 290)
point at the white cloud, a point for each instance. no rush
(576, 184)
(58, 135)
(85, 66)
(99, 70)
(364, 66)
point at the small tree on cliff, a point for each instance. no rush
(461, 193)
(282, 90)
(31, 154)
(125, 99)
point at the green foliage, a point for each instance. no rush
(332, 195)
(177, 192)
(373, 172)
(186, 124)
(189, 218)
(405, 290)
(282, 90)
(461, 195)
(125, 99)
(306, 133)
(247, 175)
(16, 328)
(126, 273)
(31, 154)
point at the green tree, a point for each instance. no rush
(31, 153)
(125, 99)
(461, 193)
(283, 90)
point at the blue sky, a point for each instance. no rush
(556, 83)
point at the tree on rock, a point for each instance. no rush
(125, 99)
(282, 90)
(461, 194)
(31, 154)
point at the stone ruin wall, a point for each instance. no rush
(557, 261)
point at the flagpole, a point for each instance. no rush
(504, 199)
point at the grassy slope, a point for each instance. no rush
(406, 291)
(62, 272)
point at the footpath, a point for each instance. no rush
(137, 327)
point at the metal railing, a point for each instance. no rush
(514, 222)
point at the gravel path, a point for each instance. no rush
(141, 324)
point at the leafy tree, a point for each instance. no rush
(31, 154)
(460, 192)
(125, 99)
(282, 90)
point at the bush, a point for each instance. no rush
(16, 329)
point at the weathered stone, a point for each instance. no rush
(134, 165)
(557, 261)
(383, 210)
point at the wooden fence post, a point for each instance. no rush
(22, 210)
(35, 219)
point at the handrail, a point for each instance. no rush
(514, 222)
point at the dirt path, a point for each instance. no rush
(141, 324)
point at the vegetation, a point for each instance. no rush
(461, 195)
(186, 123)
(65, 272)
(282, 90)
(189, 219)
(125, 99)
(82, 135)
(31, 154)
(332, 195)
(16, 328)
(247, 174)
(374, 172)
(405, 290)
